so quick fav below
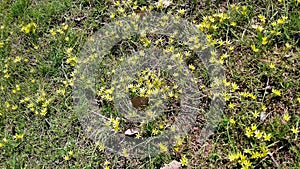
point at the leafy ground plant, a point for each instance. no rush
(256, 42)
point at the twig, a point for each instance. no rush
(271, 155)
(276, 163)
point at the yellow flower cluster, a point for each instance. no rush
(39, 105)
(68, 156)
(244, 157)
(71, 60)
(148, 83)
(31, 27)
(178, 143)
(106, 94)
(248, 95)
(258, 134)
(114, 123)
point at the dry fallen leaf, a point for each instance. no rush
(139, 102)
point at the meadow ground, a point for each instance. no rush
(256, 42)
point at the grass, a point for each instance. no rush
(257, 43)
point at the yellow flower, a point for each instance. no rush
(15, 107)
(262, 18)
(232, 121)
(264, 150)
(161, 4)
(281, 20)
(43, 111)
(244, 94)
(274, 24)
(66, 157)
(116, 124)
(117, 3)
(65, 27)
(253, 96)
(288, 46)
(69, 50)
(232, 6)
(258, 28)
(7, 104)
(246, 164)
(192, 67)
(100, 145)
(6, 75)
(241, 156)
(286, 117)
(226, 97)
(18, 88)
(163, 148)
(138, 135)
(226, 83)
(255, 114)
(234, 87)
(179, 140)
(106, 162)
(154, 131)
(60, 31)
(1, 44)
(247, 150)
(181, 11)
(264, 41)
(72, 60)
(125, 152)
(5, 140)
(258, 134)
(19, 136)
(31, 27)
(263, 107)
(253, 127)
(231, 105)
(255, 155)
(253, 47)
(183, 161)
(244, 8)
(36, 47)
(233, 23)
(248, 132)
(272, 65)
(224, 56)
(276, 92)
(294, 130)
(52, 31)
(233, 157)
(267, 137)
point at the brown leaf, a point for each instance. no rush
(139, 102)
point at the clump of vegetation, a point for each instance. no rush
(256, 42)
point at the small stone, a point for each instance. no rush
(172, 165)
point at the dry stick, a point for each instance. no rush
(271, 155)
(276, 163)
